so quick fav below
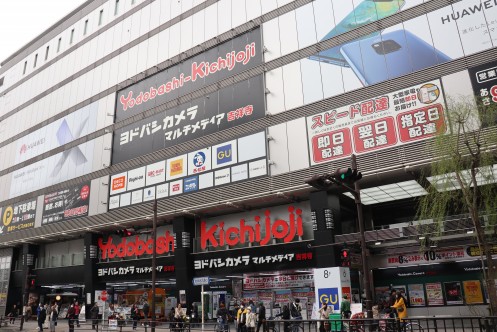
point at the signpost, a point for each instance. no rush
(201, 281)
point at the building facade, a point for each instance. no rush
(219, 110)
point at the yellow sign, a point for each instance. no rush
(8, 214)
(472, 292)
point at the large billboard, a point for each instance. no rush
(403, 116)
(227, 59)
(66, 204)
(484, 82)
(223, 109)
(18, 216)
(228, 162)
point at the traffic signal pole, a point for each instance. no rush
(365, 265)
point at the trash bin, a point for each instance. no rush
(335, 322)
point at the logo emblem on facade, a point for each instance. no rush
(199, 159)
(224, 154)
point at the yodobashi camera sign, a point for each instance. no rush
(201, 281)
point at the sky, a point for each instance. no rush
(23, 20)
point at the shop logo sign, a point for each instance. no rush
(224, 154)
(286, 230)
(118, 183)
(8, 214)
(130, 247)
(176, 167)
(330, 297)
(190, 184)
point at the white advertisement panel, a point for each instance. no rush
(60, 132)
(118, 183)
(61, 167)
(156, 173)
(176, 167)
(136, 178)
(331, 284)
(199, 161)
(411, 114)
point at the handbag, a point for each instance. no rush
(55, 324)
(400, 309)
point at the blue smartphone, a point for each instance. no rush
(366, 12)
(390, 55)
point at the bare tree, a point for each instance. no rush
(463, 175)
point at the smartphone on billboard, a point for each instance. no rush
(366, 12)
(390, 55)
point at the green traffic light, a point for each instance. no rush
(347, 174)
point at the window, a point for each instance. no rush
(100, 17)
(72, 36)
(1, 81)
(36, 60)
(58, 44)
(116, 8)
(86, 28)
(46, 52)
(25, 66)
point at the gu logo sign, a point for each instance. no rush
(329, 296)
(224, 154)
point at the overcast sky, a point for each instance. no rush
(23, 20)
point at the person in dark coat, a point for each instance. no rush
(42, 315)
(285, 315)
(54, 315)
(135, 315)
(94, 315)
(261, 318)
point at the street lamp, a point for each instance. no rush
(348, 179)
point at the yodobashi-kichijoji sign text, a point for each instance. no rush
(484, 82)
(135, 246)
(400, 117)
(132, 270)
(227, 59)
(282, 224)
(66, 204)
(223, 109)
(18, 216)
(283, 281)
(247, 260)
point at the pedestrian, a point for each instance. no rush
(77, 310)
(241, 318)
(222, 317)
(13, 314)
(135, 315)
(285, 315)
(94, 315)
(179, 317)
(70, 318)
(324, 316)
(250, 320)
(54, 315)
(391, 301)
(400, 307)
(194, 314)
(252, 306)
(41, 316)
(145, 309)
(26, 311)
(295, 309)
(345, 307)
(261, 318)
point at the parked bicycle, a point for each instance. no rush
(293, 326)
(221, 325)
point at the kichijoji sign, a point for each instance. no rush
(411, 114)
(281, 224)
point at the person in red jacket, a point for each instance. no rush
(77, 310)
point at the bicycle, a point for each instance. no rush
(294, 325)
(387, 324)
(221, 325)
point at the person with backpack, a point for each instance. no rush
(42, 316)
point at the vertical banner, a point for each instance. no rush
(484, 82)
(331, 284)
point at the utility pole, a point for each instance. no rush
(348, 179)
(154, 263)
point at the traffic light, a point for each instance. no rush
(124, 232)
(31, 281)
(344, 256)
(347, 175)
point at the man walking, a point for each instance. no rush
(77, 310)
(42, 315)
(261, 318)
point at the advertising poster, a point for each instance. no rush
(472, 292)
(282, 296)
(484, 82)
(66, 204)
(453, 292)
(403, 116)
(382, 293)
(280, 281)
(18, 216)
(416, 295)
(434, 294)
